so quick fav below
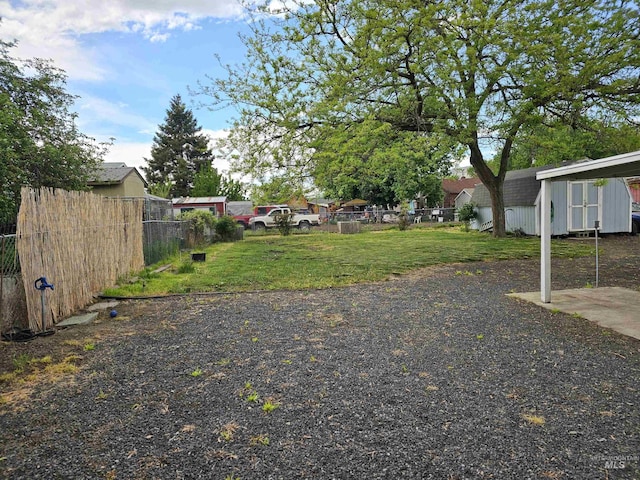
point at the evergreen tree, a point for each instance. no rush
(179, 150)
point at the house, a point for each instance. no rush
(322, 206)
(215, 205)
(452, 188)
(117, 180)
(575, 204)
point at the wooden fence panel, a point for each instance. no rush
(79, 241)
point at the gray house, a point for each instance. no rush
(575, 205)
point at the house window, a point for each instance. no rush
(185, 210)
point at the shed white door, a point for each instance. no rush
(584, 205)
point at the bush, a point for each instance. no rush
(198, 222)
(466, 213)
(225, 227)
(283, 222)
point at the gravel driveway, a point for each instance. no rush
(437, 375)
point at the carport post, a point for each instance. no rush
(545, 241)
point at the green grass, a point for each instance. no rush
(321, 260)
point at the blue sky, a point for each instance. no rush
(127, 58)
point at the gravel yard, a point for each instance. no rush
(437, 374)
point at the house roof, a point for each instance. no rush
(456, 186)
(106, 175)
(356, 202)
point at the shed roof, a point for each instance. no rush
(520, 188)
(198, 200)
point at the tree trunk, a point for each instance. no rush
(497, 208)
(494, 185)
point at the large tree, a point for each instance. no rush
(373, 161)
(179, 150)
(471, 71)
(208, 182)
(40, 145)
(556, 142)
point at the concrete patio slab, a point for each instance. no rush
(78, 319)
(610, 307)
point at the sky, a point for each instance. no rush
(126, 59)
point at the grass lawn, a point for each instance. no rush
(320, 259)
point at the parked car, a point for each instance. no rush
(635, 223)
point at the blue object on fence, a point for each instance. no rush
(41, 284)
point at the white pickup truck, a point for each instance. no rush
(303, 221)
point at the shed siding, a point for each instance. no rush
(559, 222)
(523, 218)
(616, 207)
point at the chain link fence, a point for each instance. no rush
(162, 239)
(13, 306)
(393, 216)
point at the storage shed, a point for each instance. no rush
(575, 204)
(215, 205)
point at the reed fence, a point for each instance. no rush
(81, 243)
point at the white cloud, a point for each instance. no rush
(53, 28)
(97, 111)
(131, 153)
(134, 153)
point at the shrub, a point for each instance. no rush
(198, 222)
(284, 223)
(226, 227)
(466, 213)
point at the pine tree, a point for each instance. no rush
(179, 150)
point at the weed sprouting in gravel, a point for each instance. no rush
(227, 431)
(534, 419)
(89, 346)
(269, 406)
(253, 397)
(197, 372)
(262, 440)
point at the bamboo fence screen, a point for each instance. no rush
(79, 241)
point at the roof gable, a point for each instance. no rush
(114, 176)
